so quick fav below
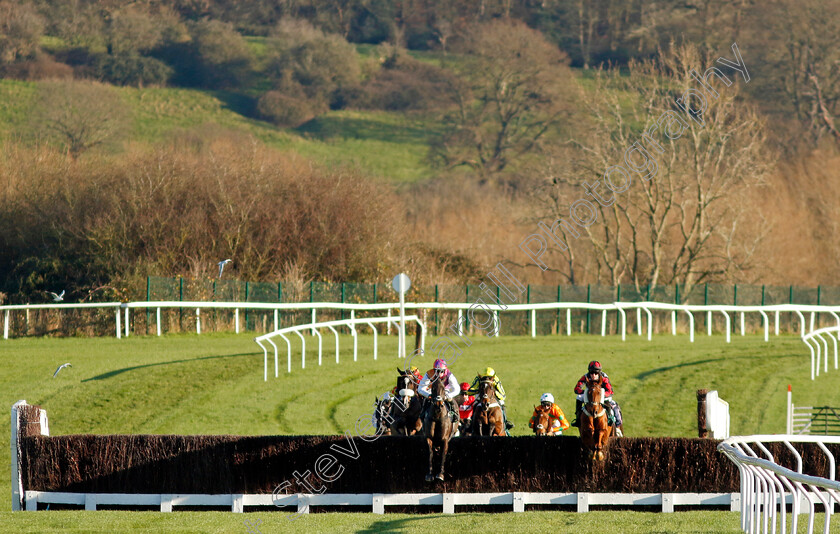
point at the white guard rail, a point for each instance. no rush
(313, 327)
(833, 333)
(621, 307)
(767, 487)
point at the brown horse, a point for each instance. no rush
(594, 427)
(381, 415)
(542, 422)
(487, 416)
(439, 427)
(407, 407)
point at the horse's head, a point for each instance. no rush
(486, 390)
(438, 393)
(406, 380)
(594, 392)
(542, 423)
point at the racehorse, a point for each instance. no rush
(543, 421)
(439, 427)
(407, 407)
(487, 416)
(383, 409)
(594, 427)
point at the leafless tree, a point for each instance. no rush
(79, 114)
(685, 223)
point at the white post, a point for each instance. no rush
(119, 325)
(498, 324)
(603, 323)
(460, 317)
(673, 322)
(742, 323)
(777, 322)
(389, 321)
(709, 322)
(639, 321)
(534, 322)
(789, 426)
(313, 321)
(127, 323)
(17, 481)
(236, 319)
(568, 321)
(198, 320)
(6, 326)
(157, 320)
(276, 320)
(402, 317)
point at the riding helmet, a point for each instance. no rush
(465, 386)
(594, 366)
(489, 372)
(440, 363)
(547, 397)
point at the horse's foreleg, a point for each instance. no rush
(444, 450)
(429, 476)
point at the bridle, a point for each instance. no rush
(587, 401)
(486, 384)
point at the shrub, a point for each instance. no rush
(403, 84)
(43, 67)
(281, 109)
(131, 70)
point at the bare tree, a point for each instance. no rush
(514, 95)
(680, 217)
(20, 31)
(79, 115)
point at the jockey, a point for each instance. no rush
(415, 373)
(500, 392)
(610, 405)
(466, 402)
(556, 418)
(440, 372)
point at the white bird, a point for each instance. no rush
(222, 266)
(57, 298)
(60, 367)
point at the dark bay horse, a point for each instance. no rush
(382, 414)
(487, 416)
(594, 427)
(407, 407)
(439, 427)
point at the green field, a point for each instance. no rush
(212, 384)
(386, 145)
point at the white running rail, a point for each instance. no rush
(314, 328)
(728, 313)
(767, 487)
(831, 332)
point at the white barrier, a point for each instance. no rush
(377, 502)
(717, 415)
(313, 327)
(620, 307)
(767, 487)
(831, 332)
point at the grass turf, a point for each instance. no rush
(212, 384)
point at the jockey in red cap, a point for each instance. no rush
(613, 411)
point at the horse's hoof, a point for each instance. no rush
(429, 478)
(440, 477)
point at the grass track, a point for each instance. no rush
(212, 384)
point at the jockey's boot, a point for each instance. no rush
(610, 415)
(508, 424)
(453, 411)
(578, 406)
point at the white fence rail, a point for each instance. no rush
(377, 502)
(622, 308)
(314, 328)
(767, 487)
(817, 342)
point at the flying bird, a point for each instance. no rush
(57, 298)
(222, 266)
(60, 367)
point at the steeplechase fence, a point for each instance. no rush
(163, 472)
